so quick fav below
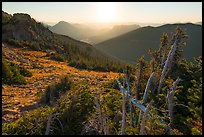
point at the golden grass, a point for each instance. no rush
(20, 96)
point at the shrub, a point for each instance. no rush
(32, 123)
(77, 108)
(11, 73)
(57, 57)
(7, 74)
(25, 72)
(55, 90)
(16, 43)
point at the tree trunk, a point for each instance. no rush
(48, 127)
(144, 118)
(170, 99)
(168, 60)
(145, 94)
(123, 116)
(128, 87)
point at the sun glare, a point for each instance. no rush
(106, 12)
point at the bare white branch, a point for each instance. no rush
(147, 88)
(134, 101)
(170, 98)
(128, 86)
(145, 95)
(123, 115)
(168, 60)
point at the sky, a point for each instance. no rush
(108, 12)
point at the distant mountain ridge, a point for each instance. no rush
(136, 43)
(88, 34)
(200, 23)
(75, 31)
(117, 30)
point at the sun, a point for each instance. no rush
(106, 12)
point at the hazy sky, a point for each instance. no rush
(83, 12)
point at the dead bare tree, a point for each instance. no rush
(134, 101)
(170, 96)
(128, 87)
(89, 128)
(168, 60)
(179, 39)
(105, 125)
(145, 94)
(123, 115)
(50, 122)
(48, 125)
(174, 51)
(144, 119)
(141, 64)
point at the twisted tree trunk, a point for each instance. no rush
(48, 127)
(134, 101)
(128, 87)
(123, 116)
(170, 96)
(145, 94)
(105, 125)
(168, 60)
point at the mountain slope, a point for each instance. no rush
(23, 31)
(136, 43)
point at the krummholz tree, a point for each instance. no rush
(163, 47)
(158, 58)
(178, 40)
